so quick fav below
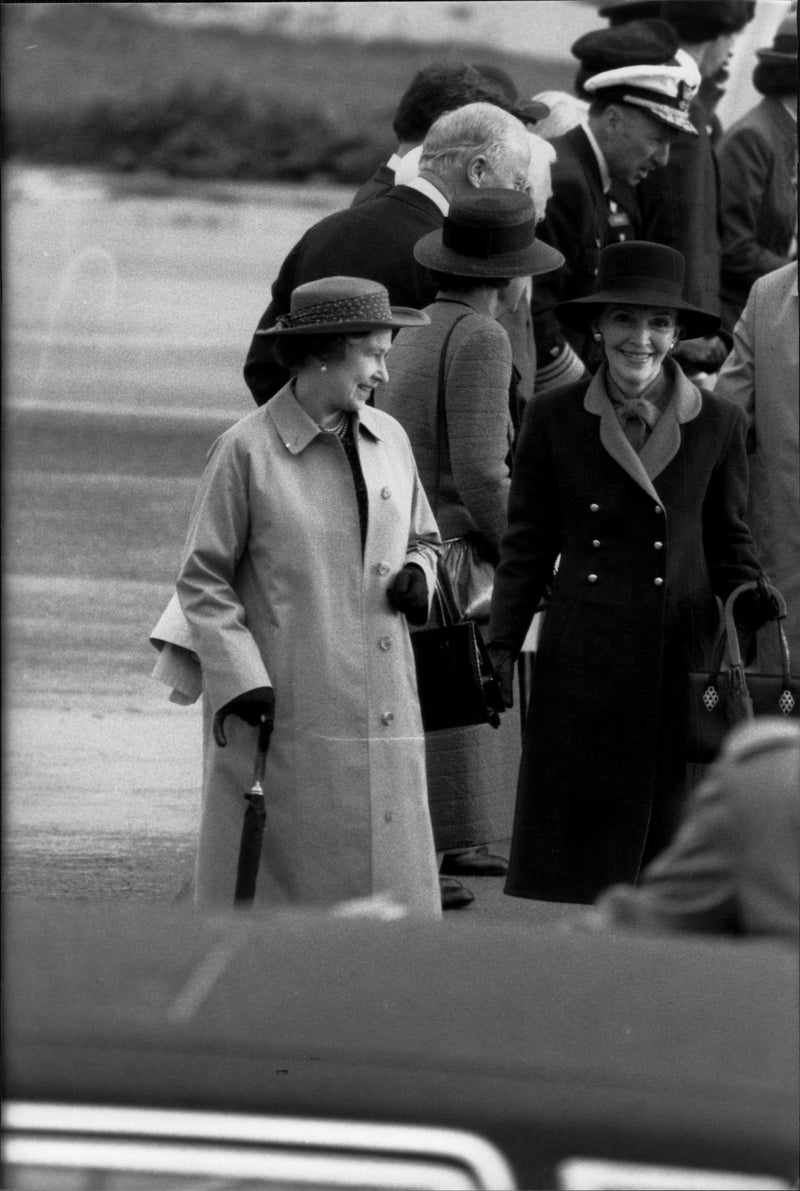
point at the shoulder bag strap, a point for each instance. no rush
(441, 412)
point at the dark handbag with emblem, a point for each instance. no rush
(729, 694)
(456, 682)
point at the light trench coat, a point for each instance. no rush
(276, 593)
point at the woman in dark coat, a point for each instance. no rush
(628, 501)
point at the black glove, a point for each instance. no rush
(408, 593)
(502, 658)
(755, 608)
(254, 707)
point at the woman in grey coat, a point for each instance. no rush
(479, 261)
(311, 541)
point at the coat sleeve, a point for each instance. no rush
(532, 541)
(263, 375)
(478, 424)
(217, 539)
(727, 540)
(746, 163)
(424, 542)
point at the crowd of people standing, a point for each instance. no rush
(599, 289)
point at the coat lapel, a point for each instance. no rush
(663, 444)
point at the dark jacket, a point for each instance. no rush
(679, 205)
(758, 209)
(374, 240)
(578, 222)
(645, 545)
(376, 185)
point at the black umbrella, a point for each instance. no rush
(255, 818)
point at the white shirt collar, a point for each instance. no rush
(790, 108)
(605, 176)
(430, 191)
(393, 162)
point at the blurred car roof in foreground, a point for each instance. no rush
(551, 1044)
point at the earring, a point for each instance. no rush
(323, 368)
(596, 336)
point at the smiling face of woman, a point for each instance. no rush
(635, 341)
(327, 388)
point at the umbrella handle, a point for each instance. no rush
(262, 747)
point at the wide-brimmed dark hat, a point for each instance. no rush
(640, 273)
(341, 306)
(784, 44)
(488, 233)
(618, 11)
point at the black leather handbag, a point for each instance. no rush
(729, 694)
(456, 682)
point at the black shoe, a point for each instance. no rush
(477, 862)
(454, 895)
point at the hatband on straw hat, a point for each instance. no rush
(640, 273)
(488, 233)
(343, 305)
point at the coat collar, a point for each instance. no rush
(296, 429)
(663, 444)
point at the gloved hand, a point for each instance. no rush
(408, 593)
(503, 661)
(755, 608)
(254, 707)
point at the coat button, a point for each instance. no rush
(383, 568)
(658, 509)
(596, 542)
(591, 578)
(658, 581)
(387, 718)
(594, 508)
(385, 643)
(386, 493)
(658, 545)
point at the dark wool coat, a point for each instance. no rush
(679, 205)
(645, 544)
(377, 184)
(579, 223)
(757, 159)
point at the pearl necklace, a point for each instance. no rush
(339, 428)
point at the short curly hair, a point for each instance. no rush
(293, 351)
(438, 88)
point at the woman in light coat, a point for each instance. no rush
(480, 261)
(310, 541)
(628, 501)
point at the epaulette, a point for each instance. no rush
(761, 735)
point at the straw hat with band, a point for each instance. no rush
(488, 233)
(343, 306)
(640, 273)
(663, 92)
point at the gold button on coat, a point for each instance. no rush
(596, 543)
(591, 578)
(383, 568)
(594, 508)
(658, 545)
(659, 581)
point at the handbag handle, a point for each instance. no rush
(732, 637)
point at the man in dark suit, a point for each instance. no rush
(634, 114)
(732, 867)
(477, 145)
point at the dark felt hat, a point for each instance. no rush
(342, 306)
(488, 233)
(640, 273)
(640, 42)
(784, 44)
(617, 11)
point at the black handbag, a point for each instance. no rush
(729, 694)
(456, 682)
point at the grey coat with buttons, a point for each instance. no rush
(646, 542)
(276, 593)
